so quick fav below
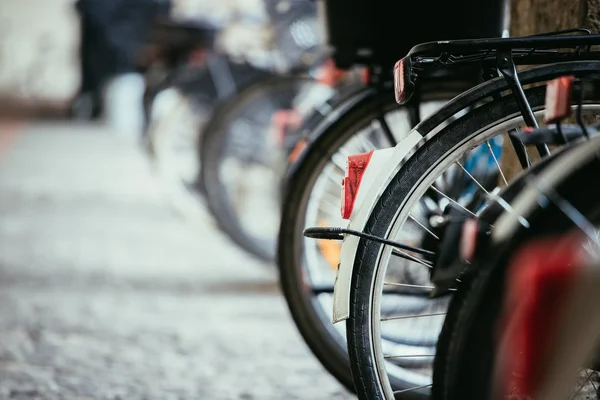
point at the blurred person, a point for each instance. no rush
(112, 84)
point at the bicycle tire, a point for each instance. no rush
(383, 216)
(469, 344)
(490, 215)
(195, 87)
(326, 343)
(211, 142)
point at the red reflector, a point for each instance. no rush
(328, 74)
(365, 76)
(558, 99)
(404, 87)
(540, 278)
(399, 84)
(355, 169)
(468, 239)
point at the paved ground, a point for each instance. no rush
(106, 294)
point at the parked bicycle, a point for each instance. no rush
(216, 131)
(522, 305)
(363, 118)
(394, 246)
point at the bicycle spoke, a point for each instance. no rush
(453, 201)
(591, 380)
(411, 389)
(408, 285)
(567, 208)
(580, 388)
(472, 178)
(411, 316)
(498, 199)
(389, 356)
(406, 256)
(423, 226)
(489, 146)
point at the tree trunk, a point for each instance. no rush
(529, 17)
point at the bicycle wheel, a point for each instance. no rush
(307, 268)
(438, 174)
(174, 143)
(490, 216)
(242, 165)
(177, 110)
(471, 346)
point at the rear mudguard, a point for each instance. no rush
(385, 164)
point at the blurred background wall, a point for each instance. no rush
(38, 51)
(39, 42)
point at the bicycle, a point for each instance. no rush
(545, 247)
(405, 210)
(364, 118)
(191, 173)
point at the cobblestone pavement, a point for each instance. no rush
(106, 294)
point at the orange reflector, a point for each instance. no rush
(297, 150)
(558, 99)
(330, 249)
(328, 74)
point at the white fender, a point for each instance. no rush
(381, 170)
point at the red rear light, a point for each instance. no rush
(365, 76)
(403, 86)
(541, 277)
(558, 99)
(399, 84)
(355, 169)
